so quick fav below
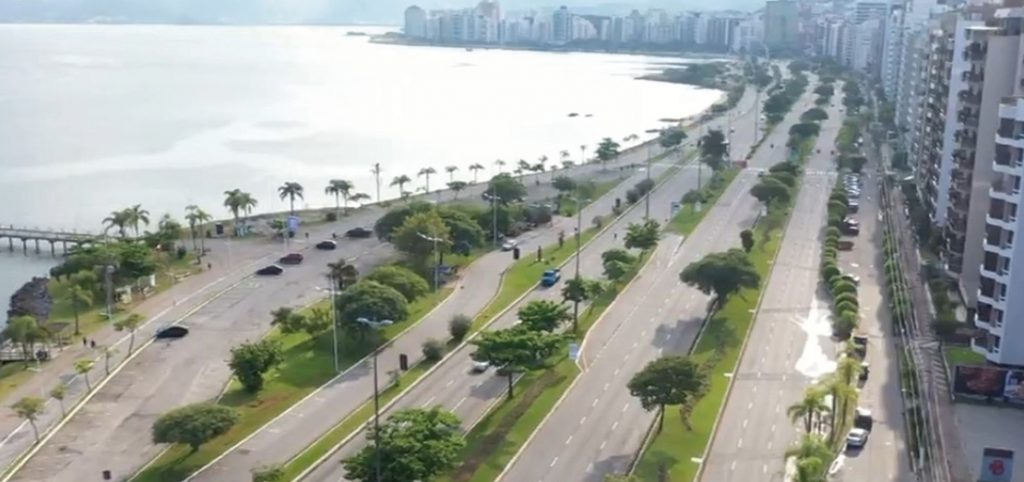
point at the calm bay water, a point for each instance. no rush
(96, 118)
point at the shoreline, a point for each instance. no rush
(396, 40)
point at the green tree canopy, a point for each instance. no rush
(515, 350)
(670, 380)
(194, 425)
(506, 188)
(250, 361)
(370, 300)
(814, 114)
(643, 236)
(722, 273)
(464, 229)
(564, 184)
(770, 190)
(409, 237)
(607, 150)
(403, 280)
(395, 217)
(544, 315)
(669, 138)
(415, 444)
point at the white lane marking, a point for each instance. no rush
(750, 405)
(553, 462)
(755, 388)
(595, 403)
(660, 350)
(606, 385)
(732, 466)
(739, 444)
(568, 440)
(450, 382)
(456, 407)
(624, 407)
(643, 333)
(770, 444)
(614, 425)
(590, 467)
(764, 469)
(745, 423)
(776, 408)
(625, 357)
(616, 372)
(773, 428)
(602, 445)
(635, 344)
(428, 401)
(668, 336)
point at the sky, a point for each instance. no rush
(297, 11)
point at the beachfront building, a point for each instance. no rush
(415, 22)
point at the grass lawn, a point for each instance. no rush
(308, 364)
(600, 189)
(687, 219)
(963, 355)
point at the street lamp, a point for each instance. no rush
(375, 325)
(331, 284)
(437, 268)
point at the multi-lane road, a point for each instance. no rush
(597, 428)
(111, 431)
(451, 386)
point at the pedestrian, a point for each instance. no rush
(85, 342)
(615, 235)
(307, 234)
(209, 266)
(92, 343)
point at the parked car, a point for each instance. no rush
(270, 270)
(172, 331)
(849, 227)
(359, 233)
(857, 438)
(862, 419)
(853, 206)
(845, 245)
(509, 245)
(291, 258)
(860, 346)
(551, 277)
(865, 370)
(327, 245)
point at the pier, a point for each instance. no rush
(36, 236)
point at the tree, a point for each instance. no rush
(196, 217)
(108, 352)
(515, 350)
(644, 235)
(82, 367)
(288, 320)
(290, 190)
(425, 173)
(809, 408)
(433, 350)
(58, 393)
(809, 470)
(29, 409)
(607, 150)
(400, 181)
(810, 445)
(506, 188)
(713, 148)
(136, 216)
(616, 263)
(250, 361)
(814, 114)
(670, 380)
(747, 240)
(80, 298)
(500, 163)
(465, 232)
(372, 301)
(238, 202)
(318, 320)
(274, 473)
(564, 185)
(410, 239)
(825, 90)
(804, 129)
(340, 189)
(342, 274)
(579, 290)
(130, 323)
(457, 187)
(414, 444)
(26, 332)
(770, 190)
(722, 273)
(390, 221)
(784, 177)
(119, 220)
(544, 315)
(670, 138)
(359, 197)
(476, 168)
(194, 424)
(451, 172)
(616, 254)
(459, 327)
(403, 280)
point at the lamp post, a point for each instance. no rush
(437, 267)
(376, 394)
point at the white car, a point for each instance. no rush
(509, 245)
(857, 438)
(480, 366)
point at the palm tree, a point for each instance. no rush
(567, 164)
(196, 217)
(426, 172)
(359, 197)
(476, 167)
(339, 188)
(58, 393)
(80, 297)
(82, 367)
(842, 394)
(238, 202)
(811, 469)
(290, 190)
(130, 323)
(119, 220)
(451, 172)
(500, 163)
(810, 445)
(137, 215)
(564, 155)
(343, 274)
(401, 181)
(29, 409)
(811, 406)
(456, 187)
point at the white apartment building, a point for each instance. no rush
(892, 43)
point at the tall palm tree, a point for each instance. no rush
(426, 172)
(359, 197)
(401, 181)
(476, 168)
(137, 215)
(80, 297)
(196, 217)
(290, 190)
(810, 407)
(339, 188)
(451, 172)
(524, 166)
(342, 273)
(239, 202)
(842, 395)
(564, 155)
(500, 163)
(119, 220)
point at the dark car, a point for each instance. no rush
(271, 270)
(291, 258)
(326, 245)
(173, 331)
(359, 233)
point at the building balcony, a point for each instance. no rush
(1005, 188)
(1008, 166)
(1009, 224)
(991, 300)
(995, 273)
(980, 346)
(1004, 249)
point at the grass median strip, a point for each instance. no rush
(689, 216)
(308, 364)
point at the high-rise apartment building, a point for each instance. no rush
(781, 24)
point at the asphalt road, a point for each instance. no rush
(789, 346)
(111, 432)
(596, 429)
(470, 396)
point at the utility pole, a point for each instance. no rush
(376, 174)
(647, 195)
(494, 214)
(334, 319)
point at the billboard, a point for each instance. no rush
(990, 383)
(996, 465)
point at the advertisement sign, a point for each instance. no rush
(990, 383)
(996, 465)
(293, 224)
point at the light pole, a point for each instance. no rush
(334, 319)
(108, 275)
(376, 174)
(376, 393)
(583, 154)
(437, 267)
(494, 214)
(647, 195)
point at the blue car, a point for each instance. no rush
(551, 277)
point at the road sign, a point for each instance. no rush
(574, 352)
(996, 465)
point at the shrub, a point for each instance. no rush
(693, 196)
(829, 271)
(832, 231)
(180, 252)
(846, 297)
(459, 326)
(846, 307)
(403, 280)
(331, 216)
(844, 324)
(433, 350)
(632, 196)
(843, 286)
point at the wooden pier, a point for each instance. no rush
(37, 236)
